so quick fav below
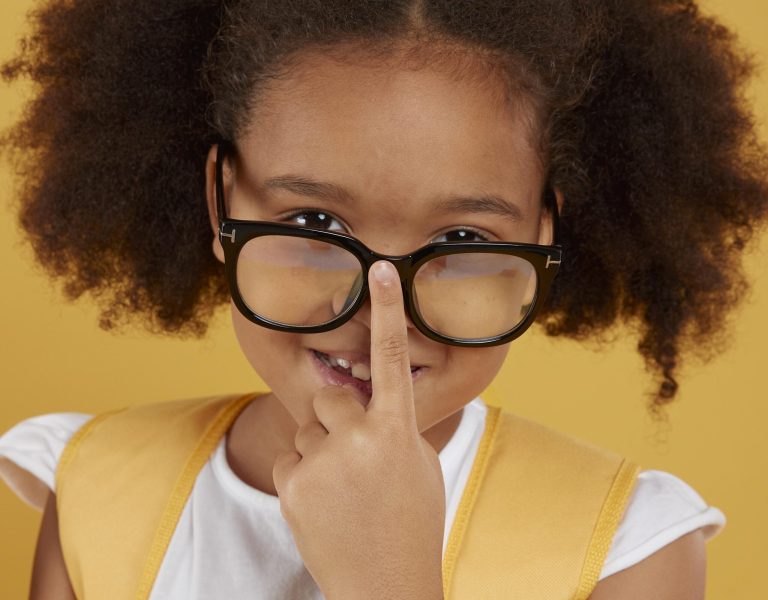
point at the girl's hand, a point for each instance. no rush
(364, 493)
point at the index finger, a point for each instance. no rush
(390, 362)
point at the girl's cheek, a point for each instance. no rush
(485, 363)
(253, 340)
(278, 358)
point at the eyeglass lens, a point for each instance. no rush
(304, 282)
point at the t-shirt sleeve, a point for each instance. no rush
(662, 508)
(30, 452)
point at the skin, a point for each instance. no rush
(397, 141)
(378, 457)
(416, 137)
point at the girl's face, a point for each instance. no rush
(377, 153)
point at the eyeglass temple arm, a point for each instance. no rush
(221, 151)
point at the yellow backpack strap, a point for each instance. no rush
(122, 483)
(537, 516)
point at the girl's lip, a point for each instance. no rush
(333, 377)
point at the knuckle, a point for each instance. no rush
(358, 439)
(277, 467)
(320, 398)
(308, 431)
(283, 463)
(301, 432)
(392, 348)
(290, 492)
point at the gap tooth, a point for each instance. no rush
(361, 371)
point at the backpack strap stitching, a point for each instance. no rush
(605, 528)
(67, 455)
(183, 487)
(468, 497)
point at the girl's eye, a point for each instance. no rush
(316, 220)
(461, 235)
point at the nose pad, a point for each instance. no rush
(530, 290)
(343, 299)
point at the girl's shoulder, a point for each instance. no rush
(661, 509)
(30, 452)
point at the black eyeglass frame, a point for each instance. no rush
(235, 233)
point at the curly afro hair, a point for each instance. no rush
(644, 124)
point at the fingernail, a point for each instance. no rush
(384, 272)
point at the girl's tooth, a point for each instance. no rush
(344, 364)
(361, 371)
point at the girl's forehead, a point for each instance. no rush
(391, 132)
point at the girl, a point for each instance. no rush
(385, 190)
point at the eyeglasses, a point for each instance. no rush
(304, 280)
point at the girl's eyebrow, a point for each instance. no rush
(481, 203)
(304, 186)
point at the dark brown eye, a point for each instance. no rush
(460, 235)
(316, 220)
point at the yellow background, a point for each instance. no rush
(55, 359)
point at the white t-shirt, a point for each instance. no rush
(230, 528)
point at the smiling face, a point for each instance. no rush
(398, 158)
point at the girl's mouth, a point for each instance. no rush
(341, 371)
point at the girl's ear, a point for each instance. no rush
(545, 225)
(210, 195)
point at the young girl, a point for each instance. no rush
(385, 191)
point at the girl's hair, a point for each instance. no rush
(643, 121)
